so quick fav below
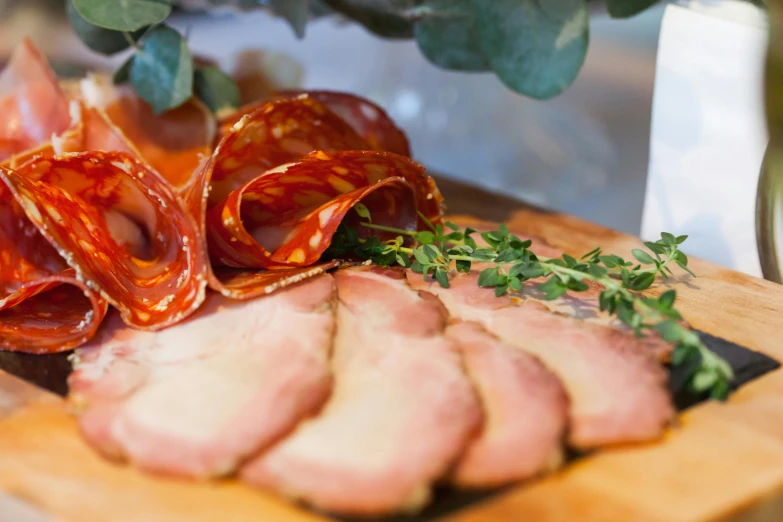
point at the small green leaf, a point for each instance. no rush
(553, 288)
(122, 75)
(425, 237)
(703, 379)
(628, 8)
(416, 266)
(670, 331)
(577, 286)
(681, 239)
(374, 16)
(681, 257)
(668, 239)
(162, 71)
(420, 256)
(655, 247)
(360, 208)
(452, 226)
(681, 354)
(442, 277)
(591, 253)
(491, 277)
(500, 290)
(679, 263)
(642, 281)
(642, 256)
(667, 298)
(598, 272)
(515, 283)
(570, 261)
(123, 15)
(720, 390)
(463, 266)
(403, 259)
(432, 253)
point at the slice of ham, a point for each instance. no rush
(196, 399)
(617, 389)
(32, 105)
(525, 412)
(401, 412)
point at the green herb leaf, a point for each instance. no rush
(553, 288)
(123, 15)
(421, 256)
(218, 91)
(642, 281)
(442, 277)
(491, 277)
(655, 247)
(668, 239)
(681, 239)
(463, 266)
(452, 226)
(684, 267)
(642, 256)
(425, 237)
(667, 298)
(162, 71)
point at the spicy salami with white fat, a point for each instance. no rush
(121, 228)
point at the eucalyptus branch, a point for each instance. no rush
(437, 250)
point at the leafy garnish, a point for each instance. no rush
(618, 279)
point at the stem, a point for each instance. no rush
(389, 229)
(130, 40)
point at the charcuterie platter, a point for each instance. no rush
(276, 321)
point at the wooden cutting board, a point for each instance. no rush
(722, 462)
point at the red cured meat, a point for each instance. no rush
(120, 226)
(198, 398)
(401, 412)
(273, 134)
(366, 118)
(288, 218)
(43, 307)
(32, 105)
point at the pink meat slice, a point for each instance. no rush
(525, 412)
(199, 397)
(401, 412)
(616, 387)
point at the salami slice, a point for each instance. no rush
(173, 143)
(43, 307)
(366, 118)
(274, 134)
(32, 105)
(122, 229)
(288, 217)
(241, 283)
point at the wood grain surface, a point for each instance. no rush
(721, 462)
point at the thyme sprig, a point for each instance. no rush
(432, 253)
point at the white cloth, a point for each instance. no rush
(708, 132)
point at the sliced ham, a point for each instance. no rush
(525, 412)
(199, 397)
(617, 389)
(401, 412)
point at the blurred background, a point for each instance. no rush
(584, 152)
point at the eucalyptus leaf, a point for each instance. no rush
(218, 91)
(628, 8)
(379, 16)
(162, 71)
(445, 36)
(123, 15)
(122, 75)
(98, 39)
(296, 12)
(536, 47)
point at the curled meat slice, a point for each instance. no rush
(274, 134)
(32, 105)
(120, 226)
(43, 307)
(288, 217)
(366, 118)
